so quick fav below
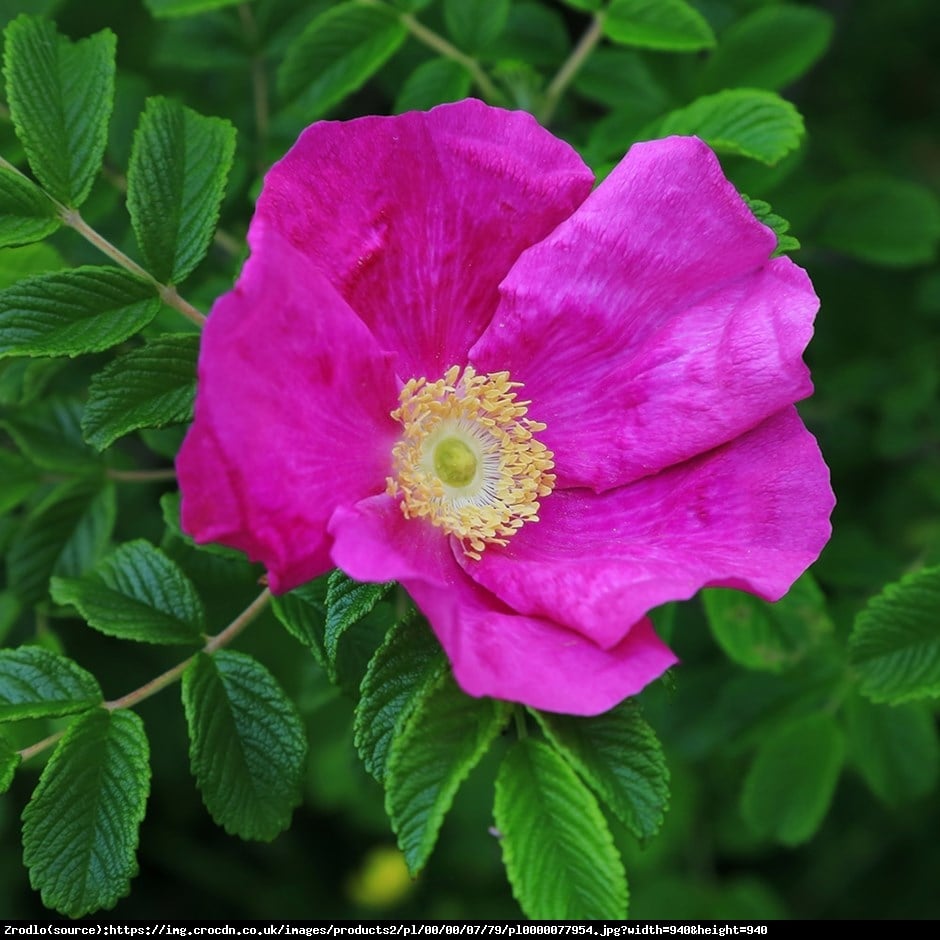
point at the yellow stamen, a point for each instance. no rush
(467, 460)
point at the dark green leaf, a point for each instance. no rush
(746, 121)
(168, 8)
(760, 635)
(9, 761)
(558, 851)
(17, 263)
(336, 54)
(247, 744)
(431, 754)
(148, 387)
(80, 829)
(431, 83)
(790, 785)
(170, 508)
(404, 667)
(671, 25)
(895, 747)
(474, 24)
(620, 757)
(535, 34)
(882, 220)
(37, 683)
(18, 477)
(895, 642)
(49, 434)
(71, 312)
(769, 48)
(180, 161)
(60, 94)
(347, 602)
(303, 614)
(26, 213)
(136, 593)
(586, 5)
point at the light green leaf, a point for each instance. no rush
(17, 263)
(136, 593)
(37, 683)
(780, 226)
(882, 220)
(49, 434)
(620, 757)
(67, 313)
(790, 784)
(64, 535)
(149, 387)
(336, 53)
(404, 667)
(26, 213)
(9, 761)
(895, 642)
(18, 477)
(474, 24)
(431, 754)
(247, 744)
(749, 122)
(431, 83)
(167, 8)
(769, 48)
(895, 747)
(179, 164)
(60, 95)
(760, 635)
(80, 829)
(303, 614)
(557, 848)
(347, 602)
(669, 25)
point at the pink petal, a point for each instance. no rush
(493, 650)
(292, 416)
(651, 326)
(753, 514)
(416, 219)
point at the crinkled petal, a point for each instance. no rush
(416, 219)
(753, 514)
(493, 650)
(651, 325)
(292, 416)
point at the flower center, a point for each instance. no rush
(467, 460)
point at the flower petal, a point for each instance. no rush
(651, 325)
(493, 650)
(753, 514)
(292, 416)
(416, 219)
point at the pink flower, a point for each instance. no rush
(357, 403)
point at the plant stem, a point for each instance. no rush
(171, 675)
(570, 67)
(140, 476)
(518, 714)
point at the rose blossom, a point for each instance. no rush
(544, 410)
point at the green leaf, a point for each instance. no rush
(149, 387)
(749, 122)
(405, 666)
(557, 849)
(80, 829)
(67, 313)
(336, 53)
(303, 614)
(49, 433)
(26, 213)
(247, 744)
(9, 762)
(780, 226)
(37, 683)
(60, 95)
(431, 83)
(431, 754)
(769, 48)
(179, 164)
(474, 24)
(620, 757)
(588, 6)
(670, 25)
(170, 509)
(881, 220)
(347, 602)
(167, 8)
(895, 642)
(64, 535)
(136, 593)
(760, 635)
(895, 747)
(18, 477)
(790, 784)
(17, 263)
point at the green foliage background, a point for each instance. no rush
(801, 739)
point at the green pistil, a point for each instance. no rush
(454, 462)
